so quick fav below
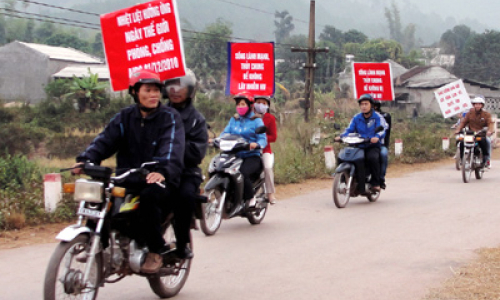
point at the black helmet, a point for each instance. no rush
(377, 104)
(366, 97)
(188, 80)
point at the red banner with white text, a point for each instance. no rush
(144, 36)
(374, 79)
(250, 68)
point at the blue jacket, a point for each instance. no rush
(366, 127)
(245, 127)
(136, 140)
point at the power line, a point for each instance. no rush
(46, 20)
(50, 17)
(60, 7)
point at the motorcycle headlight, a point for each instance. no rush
(88, 191)
(469, 138)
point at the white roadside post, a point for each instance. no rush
(398, 147)
(52, 191)
(329, 157)
(446, 143)
(316, 136)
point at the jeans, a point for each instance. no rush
(384, 159)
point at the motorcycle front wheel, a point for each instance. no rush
(64, 275)
(256, 216)
(457, 159)
(340, 193)
(466, 166)
(211, 212)
(167, 286)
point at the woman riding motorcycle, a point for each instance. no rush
(244, 124)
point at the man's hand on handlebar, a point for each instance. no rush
(154, 177)
(253, 146)
(489, 133)
(374, 140)
(337, 138)
(76, 170)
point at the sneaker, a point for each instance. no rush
(152, 264)
(487, 164)
(382, 185)
(272, 201)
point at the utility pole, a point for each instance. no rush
(310, 65)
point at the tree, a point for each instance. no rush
(284, 25)
(332, 34)
(207, 52)
(68, 40)
(290, 68)
(355, 36)
(29, 34)
(405, 37)
(97, 47)
(480, 58)
(453, 40)
(89, 92)
(44, 32)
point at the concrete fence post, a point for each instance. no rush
(446, 143)
(329, 157)
(398, 147)
(52, 191)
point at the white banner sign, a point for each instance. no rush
(453, 99)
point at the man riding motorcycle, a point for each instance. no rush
(365, 123)
(180, 93)
(477, 118)
(144, 132)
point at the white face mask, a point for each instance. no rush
(261, 108)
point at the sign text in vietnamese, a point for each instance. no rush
(374, 79)
(453, 98)
(145, 36)
(250, 68)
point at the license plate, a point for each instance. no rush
(89, 212)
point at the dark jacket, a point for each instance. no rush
(195, 129)
(135, 140)
(388, 120)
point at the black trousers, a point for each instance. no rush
(184, 202)
(152, 209)
(482, 144)
(250, 168)
(371, 165)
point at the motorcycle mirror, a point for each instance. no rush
(261, 129)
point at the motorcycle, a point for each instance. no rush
(224, 189)
(99, 249)
(344, 182)
(472, 159)
(458, 161)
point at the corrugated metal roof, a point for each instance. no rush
(61, 53)
(83, 71)
(432, 83)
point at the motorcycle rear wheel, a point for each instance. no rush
(466, 167)
(256, 216)
(170, 285)
(211, 212)
(340, 193)
(59, 286)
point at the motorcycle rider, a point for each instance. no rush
(146, 131)
(244, 124)
(180, 93)
(384, 148)
(365, 123)
(477, 118)
(261, 106)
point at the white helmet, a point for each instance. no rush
(478, 100)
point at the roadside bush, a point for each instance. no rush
(20, 138)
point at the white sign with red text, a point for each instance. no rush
(453, 98)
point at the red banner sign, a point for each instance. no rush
(145, 36)
(250, 68)
(374, 79)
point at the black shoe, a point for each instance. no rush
(382, 185)
(184, 253)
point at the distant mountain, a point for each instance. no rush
(431, 17)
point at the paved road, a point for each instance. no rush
(424, 225)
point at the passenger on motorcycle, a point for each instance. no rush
(181, 92)
(262, 104)
(384, 148)
(244, 124)
(477, 118)
(144, 132)
(365, 124)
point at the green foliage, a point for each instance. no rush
(405, 36)
(56, 89)
(213, 109)
(19, 139)
(284, 25)
(69, 41)
(89, 92)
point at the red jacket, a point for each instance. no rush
(270, 123)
